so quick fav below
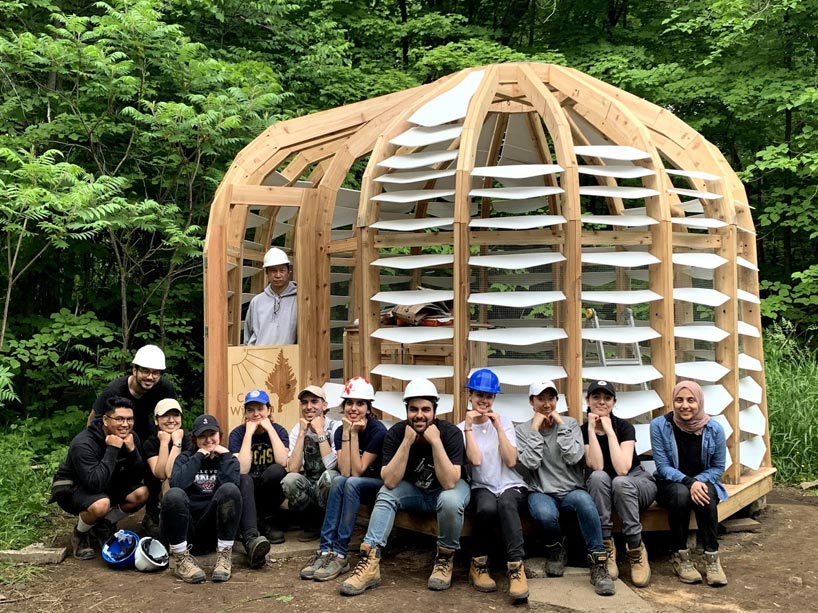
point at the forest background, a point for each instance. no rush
(118, 120)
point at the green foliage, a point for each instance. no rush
(25, 483)
(791, 370)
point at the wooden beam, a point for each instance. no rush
(265, 195)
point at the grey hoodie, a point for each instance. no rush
(552, 457)
(268, 324)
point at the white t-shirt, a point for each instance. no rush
(493, 474)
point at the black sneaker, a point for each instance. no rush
(270, 529)
(81, 543)
(102, 531)
(150, 524)
(555, 559)
(257, 548)
(600, 578)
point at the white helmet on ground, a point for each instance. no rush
(151, 555)
(275, 257)
(150, 356)
(420, 388)
(358, 388)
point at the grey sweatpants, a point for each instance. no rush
(629, 495)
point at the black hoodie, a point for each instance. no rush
(200, 477)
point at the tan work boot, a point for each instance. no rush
(713, 570)
(221, 572)
(441, 577)
(479, 576)
(684, 567)
(610, 549)
(517, 582)
(366, 574)
(640, 569)
(184, 566)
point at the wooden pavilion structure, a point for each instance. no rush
(577, 232)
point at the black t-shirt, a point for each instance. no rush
(143, 406)
(624, 432)
(260, 446)
(689, 447)
(420, 467)
(150, 449)
(369, 439)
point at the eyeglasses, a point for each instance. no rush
(148, 372)
(121, 420)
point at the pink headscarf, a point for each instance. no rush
(695, 425)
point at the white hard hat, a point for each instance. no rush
(151, 555)
(420, 388)
(358, 388)
(275, 257)
(150, 356)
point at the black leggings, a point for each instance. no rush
(261, 497)
(675, 497)
(505, 510)
(201, 527)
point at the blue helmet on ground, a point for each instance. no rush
(120, 550)
(483, 380)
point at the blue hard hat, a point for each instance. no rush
(484, 380)
(120, 550)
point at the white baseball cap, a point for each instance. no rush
(535, 389)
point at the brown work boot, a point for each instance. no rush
(713, 570)
(81, 544)
(517, 583)
(640, 569)
(366, 574)
(610, 549)
(184, 566)
(684, 567)
(441, 577)
(479, 576)
(221, 572)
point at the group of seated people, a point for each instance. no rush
(206, 495)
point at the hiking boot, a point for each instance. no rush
(270, 529)
(610, 549)
(555, 559)
(184, 566)
(713, 570)
(257, 548)
(102, 531)
(332, 567)
(479, 576)
(221, 572)
(441, 577)
(517, 583)
(150, 524)
(313, 564)
(684, 567)
(366, 574)
(81, 543)
(600, 579)
(640, 569)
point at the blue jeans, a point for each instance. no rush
(448, 504)
(342, 510)
(545, 509)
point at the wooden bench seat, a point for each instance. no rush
(753, 485)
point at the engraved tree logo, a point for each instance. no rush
(281, 381)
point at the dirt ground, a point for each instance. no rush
(769, 570)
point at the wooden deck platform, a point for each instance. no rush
(753, 485)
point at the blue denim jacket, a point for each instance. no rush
(666, 456)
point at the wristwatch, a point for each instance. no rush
(322, 438)
(178, 445)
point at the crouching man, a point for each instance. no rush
(100, 480)
(422, 463)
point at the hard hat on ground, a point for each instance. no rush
(420, 388)
(358, 388)
(120, 550)
(484, 380)
(150, 555)
(150, 356)
(275, 257)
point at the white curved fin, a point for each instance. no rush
(752, 452)
(526, 222)
(617, 191)
(699, 260)
(422, 136)
(725, 425)
(414, 334)
(518, 336)
(419, 176)
(412, 195)
(626, 375)
(407, 372)
(693, 174)
(712, 334)
(699, 295)
(451, 105)
(745, 329)
(410, 297)
(748, 362)
(516, 261)
(694, 193)
(516, 299)
(516, 193)
(626, 259)
(524, 374)
(599, 278)
(620, 221)
(701, 371)
(716, 399)
(750, 390)
(620, 172)
(516, 171)
(620, 334)
(632, 404)
(612, 152)
(643, 444)
(752, 420)
(698, 222)
(747, 296)
(413, 224)
(746, 263)
(419, 159)
(620, 297)
(412, 262)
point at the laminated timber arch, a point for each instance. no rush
(527, 194)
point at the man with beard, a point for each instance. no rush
(144, 387)
(311, 463)
(100, 480)
(422, 464)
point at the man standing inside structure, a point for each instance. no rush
(422, 464)
(101, 478)
(272, 315)
(144, 387)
